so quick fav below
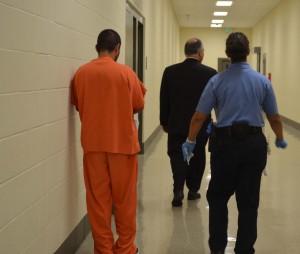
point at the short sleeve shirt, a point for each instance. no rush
(238, 94)
(106, 95)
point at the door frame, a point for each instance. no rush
(137, 56)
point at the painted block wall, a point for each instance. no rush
(42, 43)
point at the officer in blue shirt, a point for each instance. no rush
(237, 144)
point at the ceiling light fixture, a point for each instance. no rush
(220, 13)
(224, 3)
(217, 21)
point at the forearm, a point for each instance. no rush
(276, 125)
(196, 124)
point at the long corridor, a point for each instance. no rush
(166, 230)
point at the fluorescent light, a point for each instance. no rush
(224, 3)
(217, 21)
(216, 25)
(220, 13)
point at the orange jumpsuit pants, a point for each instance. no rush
(111, 179)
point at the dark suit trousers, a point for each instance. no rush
(183, 173)
(236, 168)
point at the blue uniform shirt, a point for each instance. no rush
(238, 94)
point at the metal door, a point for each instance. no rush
(134, 54)
(223, 64)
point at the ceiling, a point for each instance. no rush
(242, 13)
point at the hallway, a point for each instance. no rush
(166, 230)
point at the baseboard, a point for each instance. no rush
(152, 137)
(75, 239)
(290, 122)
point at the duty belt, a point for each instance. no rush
(232, 131)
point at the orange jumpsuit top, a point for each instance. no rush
(106, 94)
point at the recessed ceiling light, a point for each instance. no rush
(224, 3)
(220, 13)
(217, 21)
(216, 25)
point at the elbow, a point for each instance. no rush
(138, 110)
(274, 119)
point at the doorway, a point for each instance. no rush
(223, 64)
(134, 54)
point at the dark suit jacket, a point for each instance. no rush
(181, 87)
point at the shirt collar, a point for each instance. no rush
(193, 58)
(239, 64)
(105, 58)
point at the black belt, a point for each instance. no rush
(229, 130)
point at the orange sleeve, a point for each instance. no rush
(138, 93)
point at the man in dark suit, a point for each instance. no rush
(181, 87)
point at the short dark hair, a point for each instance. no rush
(192, 46)
(237, 47)
(107, 40)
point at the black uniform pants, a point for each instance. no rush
(182, 172)
(236, 167)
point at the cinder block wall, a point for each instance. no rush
(42, 43)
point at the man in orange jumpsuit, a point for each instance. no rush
(107, 94)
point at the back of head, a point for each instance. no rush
(237, 47)
(192, 47)
(107, 40)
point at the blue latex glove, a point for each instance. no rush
(187, 150)
(281, 143)
(209, 129)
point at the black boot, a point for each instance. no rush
(193, 195)
(178, 197)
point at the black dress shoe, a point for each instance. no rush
(178, 197)
(218, 252)
(193, 195)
